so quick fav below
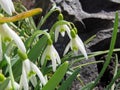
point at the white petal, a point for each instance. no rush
(9, 85)
(7, 6)
(83, 52)
(67, 48)
(1, 53)
(33, 80)
(57, 33)
(46, 78)
(23, 81)
(15, 37)
(39, 73)
(62, 34)
(17, 86)
(44, 56)
(26, 66)
(67, 29)
(79, 39)
(56, 55)
(3, 33)
(54, 64)
(81, 47)
(11, 6)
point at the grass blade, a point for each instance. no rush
(113, 40)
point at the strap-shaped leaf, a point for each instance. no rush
(57, 77)
(37, 49)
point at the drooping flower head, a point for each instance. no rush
(29, 69)
(6, 33)
(76, 44)
(50, 53)
(61, 29)
(7, 6)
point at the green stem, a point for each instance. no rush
(10, 71)
(60, 22)
(79, 78)
(11, 76)
(42, 21)
(82, 65)
(43, 32)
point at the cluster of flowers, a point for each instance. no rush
(28, 67)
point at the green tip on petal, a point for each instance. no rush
(60, 17)
(23, 56)
(31, 73)
(73, 34)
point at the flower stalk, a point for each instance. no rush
(10, 72)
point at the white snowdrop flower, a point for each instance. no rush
(76, 45)
(9, 87)
(61, 29)
(7, 6)
(50, 53)
(29, 69)
(7, 33)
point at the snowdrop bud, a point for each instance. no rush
(60, 16)
(73, 34)
(22, 55)
(50, 42)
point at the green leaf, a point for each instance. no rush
(69, 81)
(31, 39)
(4, 84)
(37, 49)
(57, 77)
(17, 69)
(112, 44)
